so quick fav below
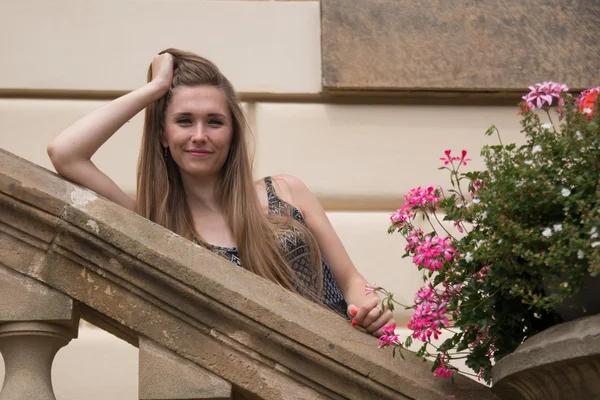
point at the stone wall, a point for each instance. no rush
(360, 154)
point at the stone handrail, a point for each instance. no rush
(191, 313)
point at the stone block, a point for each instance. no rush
(25, 299)
(166, 376)
(436, 45)
(262, 47)
(562, 362)
(361, 157)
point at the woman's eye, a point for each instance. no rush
(215, 122)
(184, 121)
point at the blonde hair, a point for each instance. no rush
(161, 196)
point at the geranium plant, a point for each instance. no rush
(496, 240)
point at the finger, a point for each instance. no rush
(384, 319)
(364, 310)
(351, 310)
(371, 317)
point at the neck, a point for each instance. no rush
(201, 194)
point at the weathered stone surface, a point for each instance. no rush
(562, 362)
(459, 45)
(267, 342)
(166, 376)
(25, 299)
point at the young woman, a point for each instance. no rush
(194, 177)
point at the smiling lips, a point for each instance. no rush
(199, 152)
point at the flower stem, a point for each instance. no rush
(439, 222)
(550, 119)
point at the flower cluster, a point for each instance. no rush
(432, 251)
(526, 235)
(546, 94)
(430, 314)
(416, 199)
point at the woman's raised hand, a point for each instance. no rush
(162, 70)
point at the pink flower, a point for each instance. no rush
(481, 274)
(464, 158)
(476, 185)
(542, 95)
(422, 197)
(438, 317)
(401, 216)
(449, 159)
(413, 239)
(429, 314)
(370, 289)
(389, 329)
(443, 369)
(389, 337)
(458, 226)
(431, 252)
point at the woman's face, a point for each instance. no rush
(198, 130)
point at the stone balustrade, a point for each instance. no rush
(204, 327)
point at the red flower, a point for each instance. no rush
(587, 101)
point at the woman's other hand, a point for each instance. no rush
(162, 70)
(370, 315)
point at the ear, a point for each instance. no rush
(163, 141)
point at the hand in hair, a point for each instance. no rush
(162, 70)
(370, 315)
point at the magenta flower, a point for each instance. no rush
(449, 159)
(443, 371)
(402, 216)
(413, 239)
(438, 317)
(542, 95)
(389, 329)
(422, 197)
(458, 226)
(429, 314)
(389, 337)
(432, 251)
(424, 295)
(464, 158)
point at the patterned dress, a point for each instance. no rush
(297, 254)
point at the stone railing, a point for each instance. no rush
(205, 329)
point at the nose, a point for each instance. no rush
(199, 134)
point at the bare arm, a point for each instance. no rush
(71, 151)
(363, 308)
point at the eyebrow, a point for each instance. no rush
(189, 114)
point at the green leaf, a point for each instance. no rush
(447, 345)
(399, 350)
(422, 350)
(490, 130)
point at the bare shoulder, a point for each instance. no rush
(290, 188)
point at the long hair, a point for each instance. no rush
(261, 238)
